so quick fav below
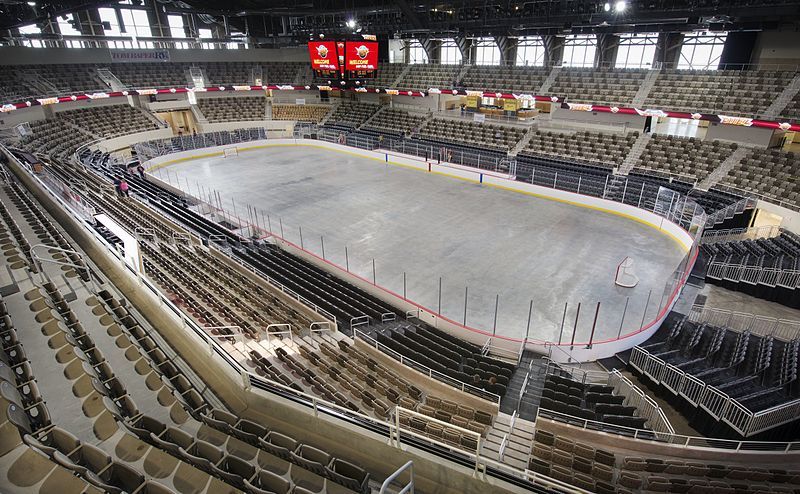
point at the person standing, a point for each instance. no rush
(140, 171)
(124, 188)
(116, 186)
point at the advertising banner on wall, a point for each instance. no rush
(323, 55)
(361, 55)
(128, 56)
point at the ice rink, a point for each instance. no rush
(506, 247)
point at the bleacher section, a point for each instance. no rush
(229, 73)
(609, 86)
(54, 137)
(387, 75)
(687, 157)
(283, 72)
(792, 109)
(493, 136)
(151, 75)
(764, 267)
(771, 173)
(109, 121)
(395, 121)
(233, 109)
(119, 410)
(747, 92)
(505, 78)
(425, 76)
(446, 354)
(596, 148)
(757, 371)
(600, 469)
(300, 113)
(351, 114)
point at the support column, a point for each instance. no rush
(554, 50)
(607, 47)
(508, 49)
(738, 50)
(668, 50)
(467, 50)
(159, 24)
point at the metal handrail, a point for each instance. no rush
(408, 488)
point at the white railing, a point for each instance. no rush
(676, 439)
(433, 374)
(634, 396)
(731, 210)
(736, 234)
(754, 275)
(717, 403)
(782, 329)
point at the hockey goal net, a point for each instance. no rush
(230, 152)
(626, 275)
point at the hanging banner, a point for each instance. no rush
(128, 56)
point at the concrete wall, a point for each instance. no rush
(777, 47)
(630, 122)
(791, 219)
(748, 135)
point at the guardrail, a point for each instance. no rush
(735, 234)
(433, 374)
(668, 438)
(731, 210)
(754, 275)
(782, 329)
(717, 403)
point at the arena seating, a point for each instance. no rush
(54, 137)
(687, 157)
(747, 92)
(387, 75)
(588, 85)
(493, 136)
(792, 109)
(588, 401)
(229, 73)
(425, 76)
(604, 471)
(395, 121)
(757, 371)
(109, 121)
(505, 78)
(151, 75)
(772, 173)
(300, 113)
(129, 397)
(337, 297)
(233, 109)
(781, 252)
(285, 72)
(598, 148)
(351, 114)
(446, 354)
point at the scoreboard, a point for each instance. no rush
(345, 59)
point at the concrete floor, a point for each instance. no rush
(495, 242)
(722, 298)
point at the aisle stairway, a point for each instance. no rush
(526, 403)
